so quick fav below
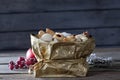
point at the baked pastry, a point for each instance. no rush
(86, 34)
(66, 34)
(40, 33)
(81, 37)
(58, 36)
(70, 38)
(46, 37)
(50, 31)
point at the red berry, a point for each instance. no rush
(25, 66)
(28, 62)
(32, 61)
(35, 60)
(16, 66)
(23, 62)
(18, 62)
(21, 59)
(11, 67)
(21, 66)
(12, 62)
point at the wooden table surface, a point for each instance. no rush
(110, 73)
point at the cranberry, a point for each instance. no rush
(11, 66)
(35, 60)
(21, 66)
(28, 62)
(16, 66)
(21, 59)
(12, 62)
(25, 67)
(18, 62)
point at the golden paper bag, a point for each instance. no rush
(61, 59)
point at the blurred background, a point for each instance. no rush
(20, 18)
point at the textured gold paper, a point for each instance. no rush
(61, 59)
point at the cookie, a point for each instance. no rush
(40, 33)
(58, 36)
(49, 31)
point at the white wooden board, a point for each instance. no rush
(5, 60)
(4, 70)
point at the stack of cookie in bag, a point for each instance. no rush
(50, 35)
(61, 53)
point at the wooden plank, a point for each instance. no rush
(63, 20)
(106, 37)
(6, 57)
(6, 60)
(9, 6)
(12, 53)
(21, 40)
(4, 70)
(14, 41)
(114, 54)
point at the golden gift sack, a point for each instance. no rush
(61, 59)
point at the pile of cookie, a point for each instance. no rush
(49, 35)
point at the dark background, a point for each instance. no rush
(19, 18)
